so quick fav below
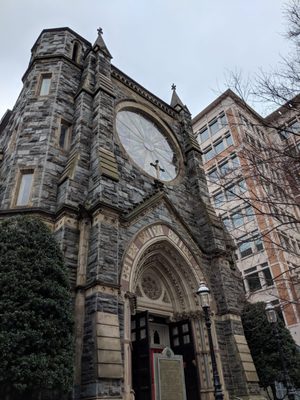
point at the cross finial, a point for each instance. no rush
(158, 169)
(173, 87)
(100, 31)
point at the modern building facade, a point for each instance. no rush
(117, 174)
(256, 195)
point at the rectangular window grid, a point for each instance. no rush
(217, 147)
(250, 244)
(213, 127)
(257, 278)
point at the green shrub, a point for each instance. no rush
(36, 324)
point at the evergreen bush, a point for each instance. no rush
(36, 323)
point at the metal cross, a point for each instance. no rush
(100, 31)
(173, 87)
(157, 168)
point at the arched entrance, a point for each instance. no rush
(159, 279)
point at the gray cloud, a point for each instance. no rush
(156, 42)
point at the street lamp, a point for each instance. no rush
(272, 319)
(203, 293)
(271, 313)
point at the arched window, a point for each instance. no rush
(156, 338)
(75, 51)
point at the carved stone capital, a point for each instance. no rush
(132, 301)
(197, 314)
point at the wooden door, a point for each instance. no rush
(141, 371)
(181, 340)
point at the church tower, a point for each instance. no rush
(117, 173)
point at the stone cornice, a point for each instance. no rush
(50, 57)
(64, 28)
(28, 211)
(126, 80)
(66, 209)
(98, 286)
(54, 216)
(83, 90)
(99, 282)
(101, 205)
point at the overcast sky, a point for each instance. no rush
(156, 42)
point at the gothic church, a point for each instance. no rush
(117, 174)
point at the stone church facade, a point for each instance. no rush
(133, 220)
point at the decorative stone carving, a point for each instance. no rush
(151, 287)
(138, 291)
(187, 315)
(166, 298)
(132, 301)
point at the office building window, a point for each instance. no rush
(258, 243)
(257, 278)
(224, 167)
(24, 188)
(227, 222)
(219, 199)
(208, 154)
(267, 277)
(291, 129)
(222, 120)
(233, 192)
(242, 186)
(253, 281)
(212, 127)
(245, 121)
(237, 219)
(249, 214)
(294, 127)
(213, 175)
(217, 147)
(229, 140)
(203, 135)
(250, 244)
(245, 249)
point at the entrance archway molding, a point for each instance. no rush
(146, 238)
(143, 240)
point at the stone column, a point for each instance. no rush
(84, 228)
(128, 395)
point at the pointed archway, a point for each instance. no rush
(159, 280)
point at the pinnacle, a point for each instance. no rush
(175, 101)
(100, 44)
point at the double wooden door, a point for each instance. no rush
(181, 342)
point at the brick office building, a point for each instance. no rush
(256, 196)
(117, 174)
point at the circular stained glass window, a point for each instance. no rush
(146, 145)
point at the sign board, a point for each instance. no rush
(169, 376)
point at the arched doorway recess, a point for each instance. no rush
(159, 279)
